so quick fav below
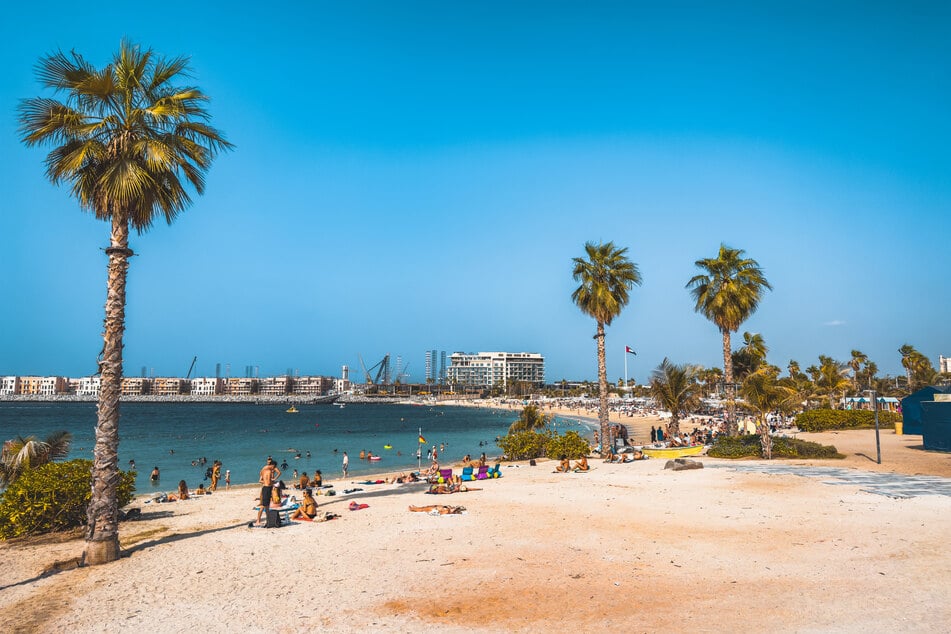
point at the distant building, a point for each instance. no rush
(9, 385)
(275, 385)
(89, 386)
(944, 364)
(206, 386)
(313, 385)
(168, 386)
(488, 369)
(240, 386)
(135, 386)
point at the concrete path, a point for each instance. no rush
(894, 485)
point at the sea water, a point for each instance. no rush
(175, 437)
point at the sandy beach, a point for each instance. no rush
(720, 549)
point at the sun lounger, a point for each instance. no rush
(467, 474)
(483, 473)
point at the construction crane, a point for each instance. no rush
(382, 371)
(191, 367)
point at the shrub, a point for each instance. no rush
(53, 497)
(823, 419)
(569, 444)
(749, 447)
(530, 444)
(524, 445)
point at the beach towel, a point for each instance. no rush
(358, 507)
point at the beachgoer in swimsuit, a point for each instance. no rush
(228, 478)
(441, 509)
(565, 466)
(582, 464)
(154, 476)
(307, 509)
(215, 475)
(269, 473)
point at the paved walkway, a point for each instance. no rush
(893, 485)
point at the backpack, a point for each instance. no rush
(273, 519)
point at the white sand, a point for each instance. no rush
(624, 545)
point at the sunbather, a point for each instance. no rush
(441, 509)
(582, 464)
(308, 509)
(564, 466)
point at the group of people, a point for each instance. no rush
(564, 466)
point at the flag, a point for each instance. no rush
(422, 440)
(630, 350)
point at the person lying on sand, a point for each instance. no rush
(582, 464)
(440, 509)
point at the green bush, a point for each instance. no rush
(53, 497)
(749, 447)
(569, 444)
(524, 445)
(530, 444)
(823, 419)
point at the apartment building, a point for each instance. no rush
(207, 386)
(240, 386)
(167, 386)
(312, 385)
(487, 369)
(135, 386)
(275, 385)
(9, 385)
(89, 386)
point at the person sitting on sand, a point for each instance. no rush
(610, 457)
(467, 461)
(440, 509)
(308, 508)
(182, 490)
(582, 464)
(564, 466)
(318, 480)
(304, 481)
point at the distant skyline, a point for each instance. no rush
(418, 175)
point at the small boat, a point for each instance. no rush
(291, 410)
(673, 452)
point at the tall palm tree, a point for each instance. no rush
(764, 393)
(858, 358)
(530, 419)
(22, 454)
(606, 278)
(130, 143)
(727, 292)
(676, 389)
(831, 377)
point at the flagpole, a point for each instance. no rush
(419, 453)
(625, 368)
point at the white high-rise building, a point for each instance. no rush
(488, 369)
(944, 363)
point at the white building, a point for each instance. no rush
(488, 369)
(89, 386)
(944, 364)
(206, 386)
(9, 385)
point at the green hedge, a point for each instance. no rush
(749, 447)
(529, 444)
(53, 497)
(823, 419)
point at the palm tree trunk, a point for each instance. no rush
(102, 531)
(731, 427)
(606, 439)
(765, 440)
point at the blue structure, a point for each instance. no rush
(911, 407)
(936, 425)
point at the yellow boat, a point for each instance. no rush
(291, 410)
(673, 452)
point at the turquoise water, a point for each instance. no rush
(172, 435)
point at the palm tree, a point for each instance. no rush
(727, 293)
(22, 454)
(530, 419)
(606, 278)
(918, 368)
(858, 358)
(763, 393)
(129, 142)
(676, 389)
(831, 377)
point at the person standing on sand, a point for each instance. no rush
(215, 475)
(227, 478)
(269, 473)
(346, 464)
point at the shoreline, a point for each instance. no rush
(718, 549)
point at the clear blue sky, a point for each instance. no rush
(416, 175)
